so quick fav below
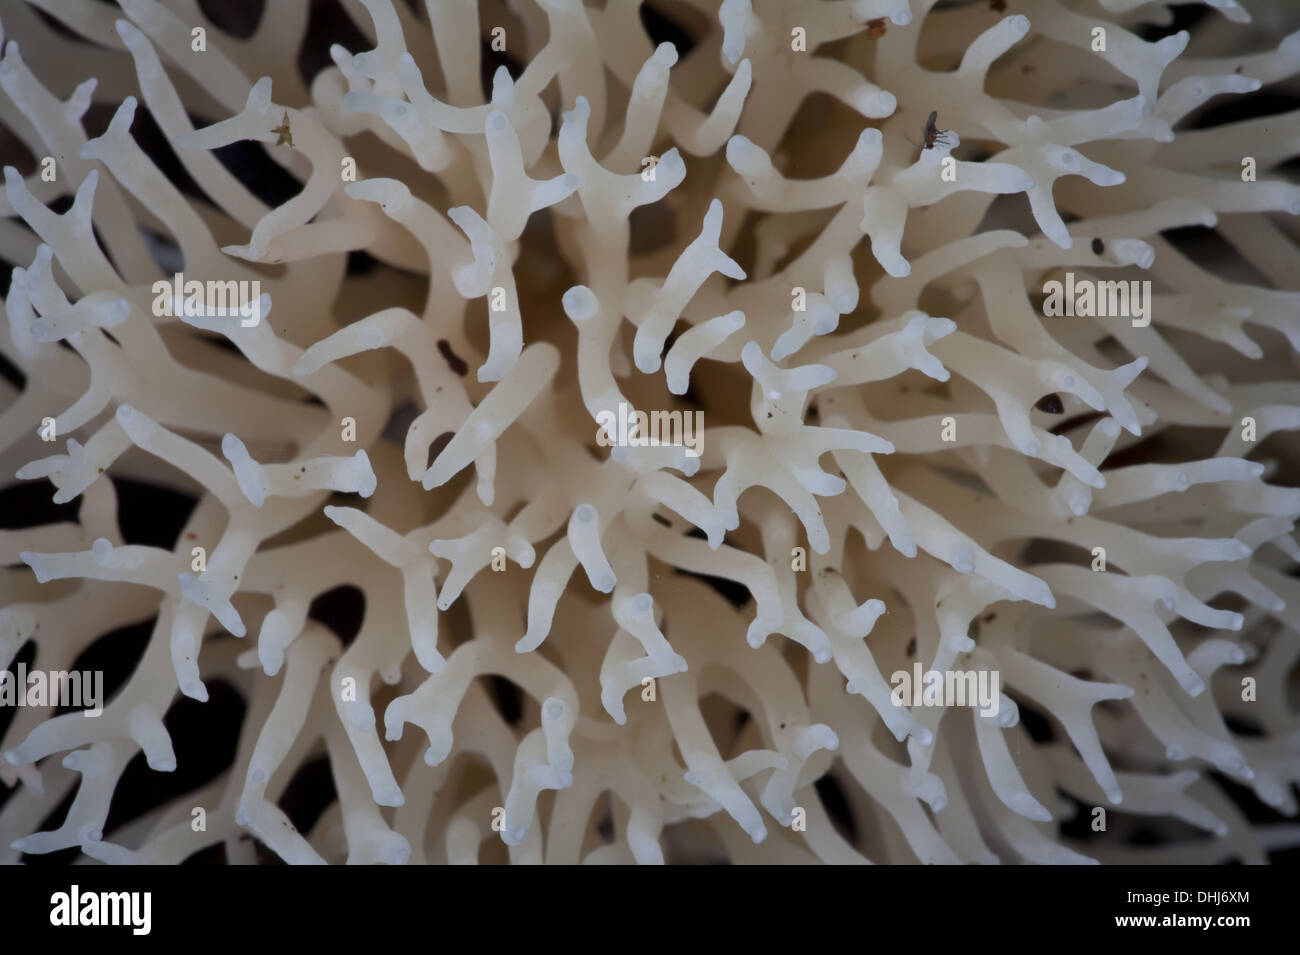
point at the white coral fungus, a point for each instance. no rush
(903, 460)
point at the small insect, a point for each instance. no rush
(933, 134)
(1051, 404)
(283, 132)
(998, 6)
(876, 28)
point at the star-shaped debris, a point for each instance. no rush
(283, 131)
